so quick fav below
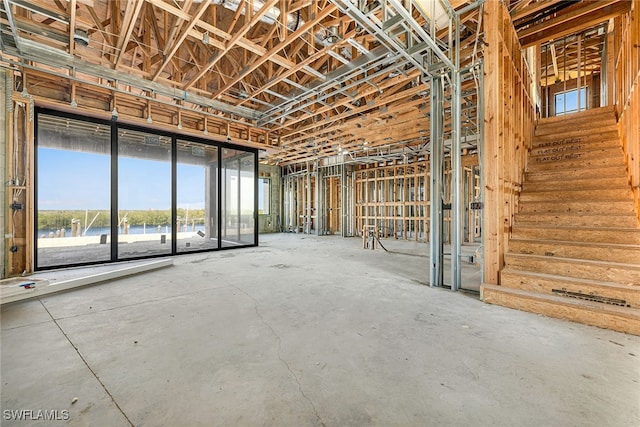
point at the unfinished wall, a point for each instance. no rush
(270, 223)
(19, 184)
(393, 199)
(508, 130)
(627, 79)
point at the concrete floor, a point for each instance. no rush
(307, 331)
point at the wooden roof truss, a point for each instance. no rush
(303, 79)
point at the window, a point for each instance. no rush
(238, 197)
(144, 194)
(567, 102)
(197, 196)
(73, 216)
(264, 189)
(107, 192)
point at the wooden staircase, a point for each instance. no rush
(574, 250)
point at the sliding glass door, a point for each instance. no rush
(107, 192)
(238, 195)
(197, 196)
(73, 192)
(144, 194)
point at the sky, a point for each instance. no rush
(74, 180)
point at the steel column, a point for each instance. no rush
(436, 149)
(456, 161)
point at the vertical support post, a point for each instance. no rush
(307, 224)
(220, 209)
(480, 147)
(5, 105)
(239, 195)
(456, 170)
(435, 181)
(114, 190)
(578, 80)
(604, 71)
(343, 200)
(493, 150)
(174, 195)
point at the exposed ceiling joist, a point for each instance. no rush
(580, 17)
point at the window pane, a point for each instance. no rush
(571, 101)
(559, 103)
(73, 188)
(263, 196)
(197, 197)
(238, 192)
(583, 98)
(144, 194)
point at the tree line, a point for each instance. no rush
(55, 219)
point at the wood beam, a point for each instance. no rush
(130, 18)
(185, 32)
(230, 44)
(521, 12)
(493, 151)
(250, 68)
(72, 25)
(589, 15)
(554, 60)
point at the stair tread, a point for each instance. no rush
(574, 189)
(629, 312)
(570, 132)
(595, 214)
(574, 243)
(583, 184)
(614, 146)
(571, 172)
(597, 111)
(570, 227)
(574, 280)
(575, 260)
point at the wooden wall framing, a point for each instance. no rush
(627, 66)
(394, 199)
(510, 112)
(19, 195)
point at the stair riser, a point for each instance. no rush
(576, 208)
(615, 171)
(578, 184)
(629, 221)
(545, 146)
(606, 112)
(579, 195)
(574, 131)
(630, 295)
(622, 236)
(610, 254)
(583, 154)
(575, 160)
(624, 275)
(563, 311)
